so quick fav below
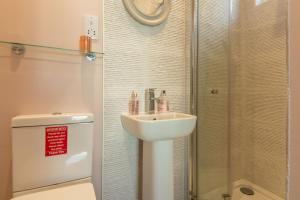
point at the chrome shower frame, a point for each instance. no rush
(192, 140)
(192, 193)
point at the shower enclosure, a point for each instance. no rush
(239, 91)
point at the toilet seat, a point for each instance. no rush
(84, 191)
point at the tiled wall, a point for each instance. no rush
(259, 93)
(138, 57)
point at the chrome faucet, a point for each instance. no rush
(150, 100)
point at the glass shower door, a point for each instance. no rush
(241, 96)
(213, 99)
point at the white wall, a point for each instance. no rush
(45, 81)
(138, 57)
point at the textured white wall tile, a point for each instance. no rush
(259, 93)
(138, 57)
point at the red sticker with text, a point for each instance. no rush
(56, 140)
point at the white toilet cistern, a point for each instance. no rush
(52, 157)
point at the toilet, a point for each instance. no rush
(52, 157)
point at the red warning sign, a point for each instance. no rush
(56, 140)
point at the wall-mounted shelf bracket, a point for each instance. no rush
(18, 49)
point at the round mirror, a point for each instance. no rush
(148, 12)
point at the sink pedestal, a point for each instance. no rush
(158, 131)
(158, 183)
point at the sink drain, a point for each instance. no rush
(246, 191)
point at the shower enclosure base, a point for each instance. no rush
(158, 170)
(259, 192)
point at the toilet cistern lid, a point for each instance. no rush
(84, 191)
(51, 119)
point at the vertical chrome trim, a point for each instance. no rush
(230, 106)
(192, 141)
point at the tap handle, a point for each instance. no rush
(150, 93)
(150, 89)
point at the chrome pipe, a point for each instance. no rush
(192, 140)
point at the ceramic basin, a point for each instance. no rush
(156, 127)
(158, 132)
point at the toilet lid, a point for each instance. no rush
(83, 191)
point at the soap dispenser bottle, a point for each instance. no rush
(133, 105)
(163, 102)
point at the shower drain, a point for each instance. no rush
(246, 191)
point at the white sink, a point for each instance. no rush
(154, 127)
(158, 132)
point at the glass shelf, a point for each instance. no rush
(21, 48)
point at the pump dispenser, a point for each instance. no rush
(163, 102)
(133, 105)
